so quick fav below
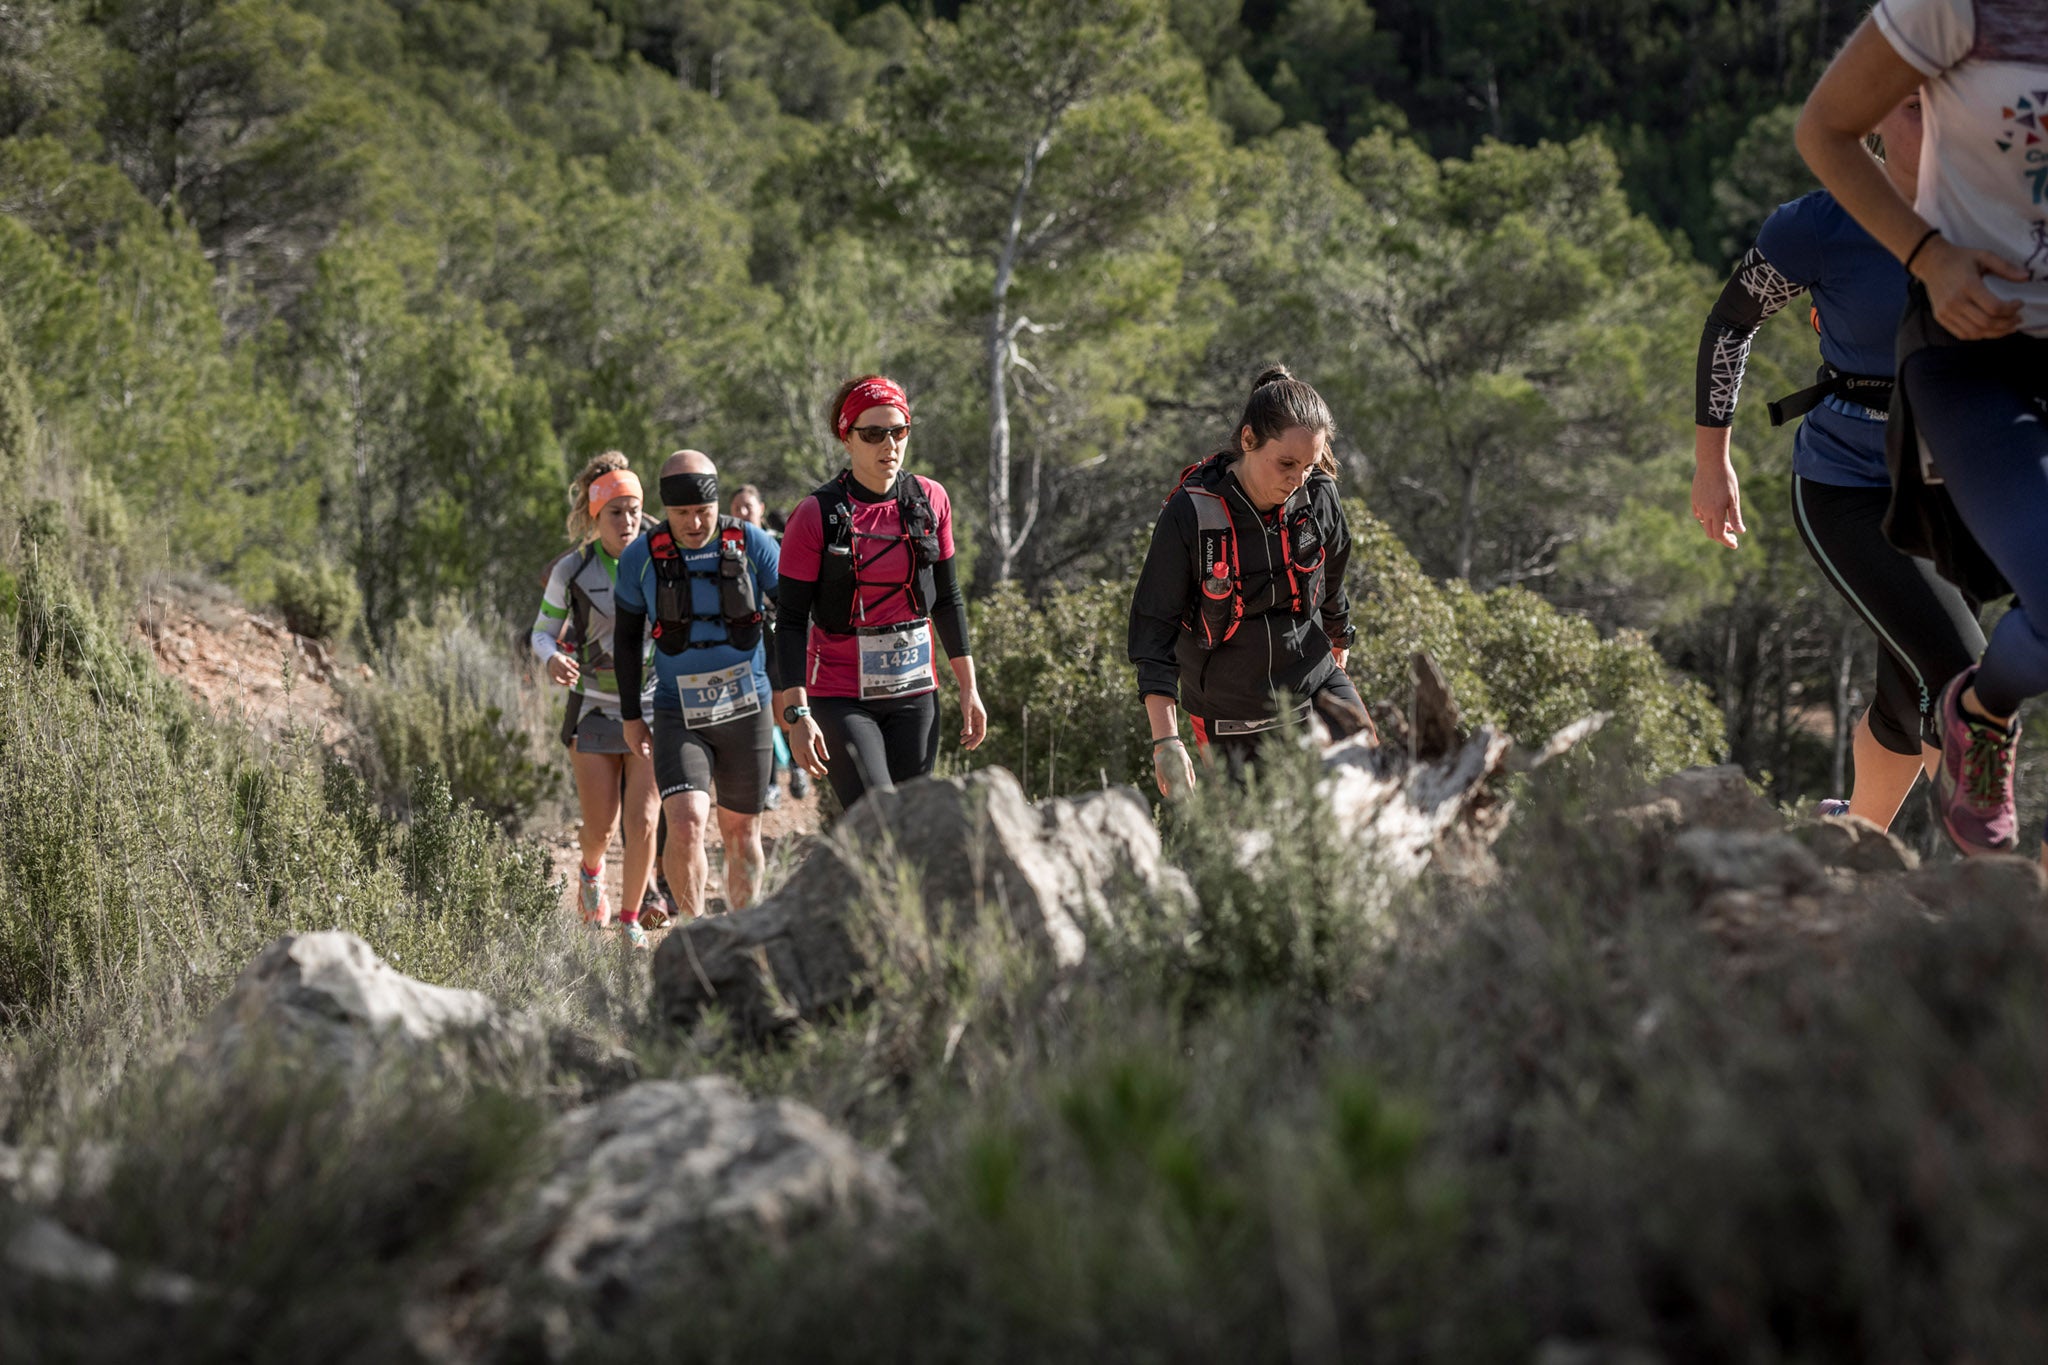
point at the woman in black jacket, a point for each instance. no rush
(1240, 613)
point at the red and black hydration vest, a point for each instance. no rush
(1219, 572)
(739, 597)
(840, 559)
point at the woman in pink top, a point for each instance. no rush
(867, 581)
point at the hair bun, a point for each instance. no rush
(1272, 374)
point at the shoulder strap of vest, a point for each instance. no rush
(912, 500)
(1211, 513)
(835, 510)
(732, 531)
(579, 602)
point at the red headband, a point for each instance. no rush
(871, 393)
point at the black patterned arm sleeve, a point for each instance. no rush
(1756, 290)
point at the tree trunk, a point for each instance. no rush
(999, 428)
(1468, 514)
(1001, 528)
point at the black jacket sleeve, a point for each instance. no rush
(1161, 600)
(793, 598)
(949, 612)
(628, 630)
(1336, 603)
(1756, 290)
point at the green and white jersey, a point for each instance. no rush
(577, 614)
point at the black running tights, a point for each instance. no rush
(876, 744)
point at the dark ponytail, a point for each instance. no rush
(1279, 402)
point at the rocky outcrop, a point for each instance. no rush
(677, 1171)
(41, 1250)
(952, 848)
(654, 1188)
(1761, 883)
(1704, 798)
(37, 1175)
(327, 997)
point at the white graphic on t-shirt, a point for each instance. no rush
(2037, 263)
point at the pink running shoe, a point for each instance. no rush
(1973, 785)
(1834, 805)
(590, 899)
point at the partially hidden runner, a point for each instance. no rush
(749, 506)
(1926, 629)
(613, 783)
(707, 584)
(1240, 613)
(868, 582)
(1969, 429)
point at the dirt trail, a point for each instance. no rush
(782, 832)
(246, 666)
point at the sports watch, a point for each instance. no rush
(792, 714)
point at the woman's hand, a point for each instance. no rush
(1717, 501)
(1340, 653)
(562, 669)
(973, 718)
(1172, 769)
(807, 746)
(639, 739)
(1954, 277)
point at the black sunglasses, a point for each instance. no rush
(874, 436)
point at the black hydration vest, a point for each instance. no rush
(1219, 574)
(839, 563)
(739, 597)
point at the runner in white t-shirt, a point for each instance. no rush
(1969, 433)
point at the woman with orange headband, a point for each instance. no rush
(572, 637)
(867, 582)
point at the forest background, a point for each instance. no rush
(327, 299)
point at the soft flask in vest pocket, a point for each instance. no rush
(1222, 606)
(736, 597)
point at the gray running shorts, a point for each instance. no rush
(589, 728)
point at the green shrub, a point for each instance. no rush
(452, 704)
(145, 848)
(1063, 708)
(317, 1213)
(1299, 920)
(18, 433)
(1513, 660)
(319, 601)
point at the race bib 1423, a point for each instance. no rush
(896, 661)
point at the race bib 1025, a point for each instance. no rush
(714, 698)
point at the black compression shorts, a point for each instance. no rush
(736, 760)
